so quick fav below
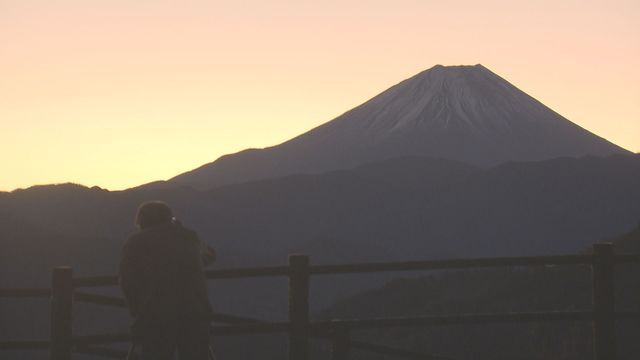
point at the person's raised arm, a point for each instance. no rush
(207, 253)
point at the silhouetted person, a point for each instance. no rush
(162, 277)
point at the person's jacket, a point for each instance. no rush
(162, 275)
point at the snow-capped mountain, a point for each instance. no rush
(464, 113)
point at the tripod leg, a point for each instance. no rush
(131, 352)
(212, 355)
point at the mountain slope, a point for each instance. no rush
(464, 113)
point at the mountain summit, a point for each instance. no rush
(464, 113)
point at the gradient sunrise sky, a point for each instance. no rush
(119, 93)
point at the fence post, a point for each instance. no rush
(340, 343)
(298, 307)
(61, 313)
(604, 324)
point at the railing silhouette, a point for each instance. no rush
(66, 289)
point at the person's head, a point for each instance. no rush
(152, 213)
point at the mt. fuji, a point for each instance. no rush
(464, 113)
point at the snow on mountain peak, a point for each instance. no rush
(445, 96)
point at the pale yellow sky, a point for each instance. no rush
(118, 93)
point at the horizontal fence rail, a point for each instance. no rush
(101, 339)
(25, 345)
(627, 258)
(25, 293)
(66, 290)
(267, 271)
(451, 264)
(96, 281)
(274, 271)
(398, 353)
(101, 352)
(627, 315)
(99, 299)
(426, 321)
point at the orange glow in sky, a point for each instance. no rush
(118, 93)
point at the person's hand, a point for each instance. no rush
(208, 255)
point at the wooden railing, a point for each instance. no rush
(66, 289)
